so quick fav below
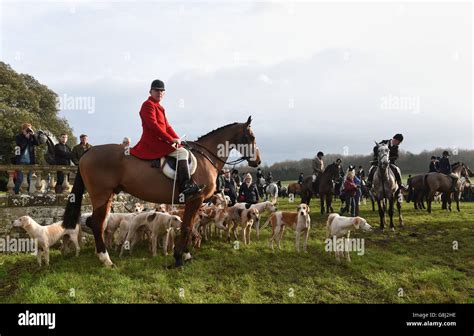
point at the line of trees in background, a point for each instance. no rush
(25, 100)
(408, 162)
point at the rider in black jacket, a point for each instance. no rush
(393, 156)
(445, 168)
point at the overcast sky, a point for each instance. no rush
(314, 76)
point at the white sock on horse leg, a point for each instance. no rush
(104, 258)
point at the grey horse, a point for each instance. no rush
(385, 188)
(271, 192)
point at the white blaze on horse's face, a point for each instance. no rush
(383, 152)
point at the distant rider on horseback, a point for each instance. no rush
(159, 139)
(318, 168)
(445, 168)
(393, 147)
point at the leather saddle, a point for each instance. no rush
(168, 165)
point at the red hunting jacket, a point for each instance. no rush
(157, 135)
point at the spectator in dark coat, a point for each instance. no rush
(248, 191)
(220, 182)
(236, 177)
(25, 152)
(63, 156)
(230, 188)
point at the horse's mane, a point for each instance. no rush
(331, 165)
(455, 164)
(216, 130)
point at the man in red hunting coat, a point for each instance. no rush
(159, 139)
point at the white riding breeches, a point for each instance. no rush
(180, 153)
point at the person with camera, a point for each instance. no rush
(25, 153)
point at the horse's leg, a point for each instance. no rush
(456, 198)
(390, 213)
(97, 224)
(429, 199)
(400, 217)
(182, 245)
(449, 199)
(381, 214)
(321, 200)
(329, 203)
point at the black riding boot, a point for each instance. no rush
(398, 178)
(185, 183)
(368, 184)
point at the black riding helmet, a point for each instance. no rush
(320, 154)
(158, 85)
(398, 137)
(445, 153)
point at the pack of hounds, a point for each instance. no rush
(160, 227)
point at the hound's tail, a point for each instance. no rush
(329, 223)
(268, 221)
(74, 202)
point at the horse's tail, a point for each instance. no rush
(410, 190)
(266, 223)
(74, 202)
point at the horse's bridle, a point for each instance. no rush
(245, 139)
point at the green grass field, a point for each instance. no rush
(415, 264)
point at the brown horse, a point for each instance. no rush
(106, 169)
(438, 182)
(416, 191)
(326, 187)
(294, 188)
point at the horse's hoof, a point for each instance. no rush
(392, 229)
(174, 266)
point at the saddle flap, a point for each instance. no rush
(168, 165)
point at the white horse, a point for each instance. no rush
(385, 187)
(271, 192)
